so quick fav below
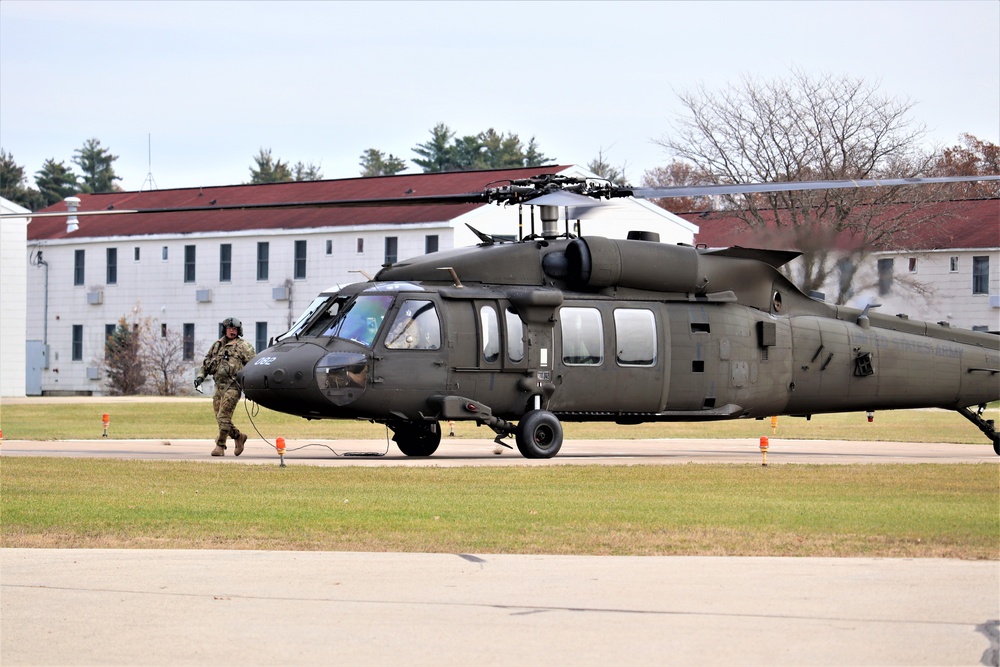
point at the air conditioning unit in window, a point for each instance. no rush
(280, 293)
(203, 296)
(95, 298)
(994, 300)
(93, 373)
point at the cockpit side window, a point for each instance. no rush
(491, 334)
(416, 327)
(515, 336)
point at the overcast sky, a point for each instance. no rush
(190, 92)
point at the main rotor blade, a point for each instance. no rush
(425, 200)
(708, 190)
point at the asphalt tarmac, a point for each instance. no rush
(160, 607)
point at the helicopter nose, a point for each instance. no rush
(282, 377)
(304, 378)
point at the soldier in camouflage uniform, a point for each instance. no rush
(224, 360)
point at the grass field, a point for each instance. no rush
(883, 510)
(178, 418)
(789, 510)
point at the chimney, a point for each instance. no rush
(72, 223)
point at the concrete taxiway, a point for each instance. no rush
(136, 607)
(473, 452)
(160, 607)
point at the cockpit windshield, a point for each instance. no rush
(319, 304)
(361, 319)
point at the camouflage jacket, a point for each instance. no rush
(225, 359)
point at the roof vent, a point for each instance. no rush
(635, 235)
(72, 223)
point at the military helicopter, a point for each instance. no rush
(522, 336)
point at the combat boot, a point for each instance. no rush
(220, 450)
(240, 441)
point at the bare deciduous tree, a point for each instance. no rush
(809, 128)
(163, 353)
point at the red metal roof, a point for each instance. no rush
(299, 191)
(973, 223)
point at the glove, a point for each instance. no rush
(198, 381)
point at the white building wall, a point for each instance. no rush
(934, 293)
(154, 288)
(13, 304)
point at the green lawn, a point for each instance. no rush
(790, 510)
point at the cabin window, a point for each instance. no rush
(490, 328)
(582, 336)
(981, 275)
(416, 327)
(635, 332)
(515, 337)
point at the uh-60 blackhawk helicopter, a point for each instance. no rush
(521, 336)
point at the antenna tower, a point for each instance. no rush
(149, 174)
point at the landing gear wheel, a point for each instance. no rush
(539, 435)
(416, 439)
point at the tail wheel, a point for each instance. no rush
(416, 438)
(539, 435)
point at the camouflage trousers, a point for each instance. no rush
(224, 402)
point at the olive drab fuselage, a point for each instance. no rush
(605, 330)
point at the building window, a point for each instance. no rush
(188, 341)
(109, 333)
(361, 246)
(79, 260)
(329, 247)
(953, 264)
(260, 337)
(163, 330)
(884, 276)
(164, 255)
(263, 250)
(189, 265)
(430, 243)
(299, 270)
(582, 336)
(77, 353)
(135, 254)
(112, 272)
(981, 275)
(912, 265)
(225, 262)
(391, 245)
